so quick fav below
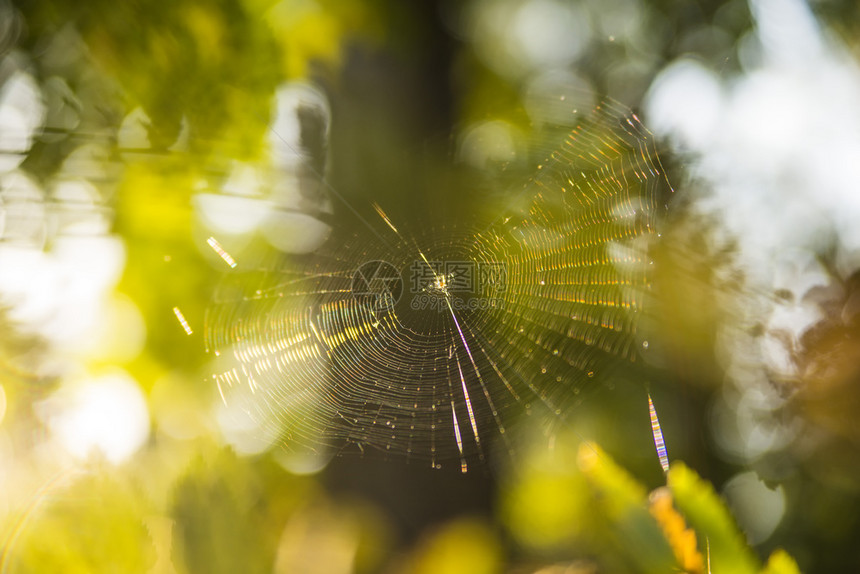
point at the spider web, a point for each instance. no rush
(336, 353)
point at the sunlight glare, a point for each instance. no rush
(105, 414)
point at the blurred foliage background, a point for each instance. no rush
(123, 123)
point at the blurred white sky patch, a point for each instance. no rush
(789, 34)
(777, 150)
(104, 414)
(58, 265)
(59, 268)
(77, 209)
(63, 294)
(21, 115)
(282, 197)
(550, 33)
(285, 130)
(516, 37)
(133, 133)
(685, 103)
(523, 39)
(776, 146)
(757, 508)
(23, 214)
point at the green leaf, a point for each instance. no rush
(624, 501)
(710, 518)
(85, 523)
(780, 562)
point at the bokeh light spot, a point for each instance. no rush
(106, 414)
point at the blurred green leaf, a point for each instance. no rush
(95, 524)
(709, 516)
(781, 563)
(680, 538)
(229, 515)
(623, 501)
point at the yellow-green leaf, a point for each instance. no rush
(708, 515)
(780, 562)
